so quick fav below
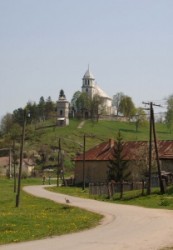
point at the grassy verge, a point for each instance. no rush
(38, 218)
(155, 200)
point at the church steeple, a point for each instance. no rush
(88, 83)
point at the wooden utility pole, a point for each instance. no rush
(21, 160)
(152, 129)
(14, 166)
(59, 162)
(84, 142)
(150, 151)
(162, 190)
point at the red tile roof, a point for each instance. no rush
(131, 150)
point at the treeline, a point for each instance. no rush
(44, 110)
(35, 112)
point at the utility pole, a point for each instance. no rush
(21, 160)
(14, 166)
(10, 175)
(162, 190)
(84, 142)
(150, 151)
(59, 162)
(152, 129)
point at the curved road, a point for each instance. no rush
(123, 227)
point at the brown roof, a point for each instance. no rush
(132, 150)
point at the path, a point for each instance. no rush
(124, 227)
(81, 124)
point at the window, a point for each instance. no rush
(61, 112)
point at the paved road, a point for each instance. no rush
(124, 227)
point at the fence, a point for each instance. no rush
(112, 187)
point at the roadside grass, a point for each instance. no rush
(38, 218)
(155, 200)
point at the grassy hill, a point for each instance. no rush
(43, 138)
(96, 132)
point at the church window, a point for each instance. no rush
(61, 112)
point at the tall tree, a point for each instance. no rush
(83, 104)
(127, 107)
(49, 108)
(18, 116)
(169, 113)
(32, 108)
(96, 106)
(41, 108)
(116, 100)
(140, 118)
(73, 103)
(118, 166)
(6, 123)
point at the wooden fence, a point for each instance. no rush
(112, 187)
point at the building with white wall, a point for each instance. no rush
(90, 87)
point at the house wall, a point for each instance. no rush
(167, 165)
(95, 171)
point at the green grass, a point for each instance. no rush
(155, 200)
(37, 218)
(72, 137)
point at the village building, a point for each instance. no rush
(62, 110)
(7, 166)
(93, 166)
(91, 88)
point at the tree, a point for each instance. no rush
(169, 113)
(49, 108)
(6, 123)
(95, 106)
(74, 100)
(117, 100)
(32, 108)
(140, 118)
(127, 107)
(118, 166)
(41, 108)
(18, 116)
(83, 104)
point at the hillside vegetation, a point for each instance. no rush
(96, 132)
(43, 138)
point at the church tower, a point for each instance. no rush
(88, 83)
(62, 110)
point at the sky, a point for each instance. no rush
(47, 45)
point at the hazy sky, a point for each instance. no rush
(46, 46)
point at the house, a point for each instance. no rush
(93, 165)
(7, 166)
(4, 165)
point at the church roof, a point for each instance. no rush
(88, 74)
(100, 92)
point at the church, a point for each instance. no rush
(90, 87)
